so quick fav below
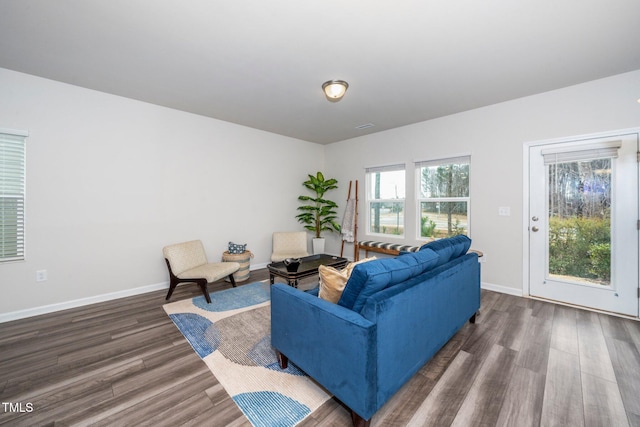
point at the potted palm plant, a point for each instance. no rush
(319, 214)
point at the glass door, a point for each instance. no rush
(583, 231)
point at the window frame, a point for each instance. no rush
(369, 171)
(459, 159)
(13, 154)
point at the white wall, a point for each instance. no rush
(110, 181)
(494, 136)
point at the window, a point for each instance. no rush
(385, 199)
(12, 172)
(443, 197)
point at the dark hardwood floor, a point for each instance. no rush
(123, 362)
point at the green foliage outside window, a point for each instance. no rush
(427, 227)
(580, 247)
(600, 257)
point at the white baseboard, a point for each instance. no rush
(36, 311)
(258, 266)
(501, 289)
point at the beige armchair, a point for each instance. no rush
(289, 244)
(187, 262)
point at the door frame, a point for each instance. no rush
(526, 173)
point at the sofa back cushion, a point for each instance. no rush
(449, 248)
(371, 277)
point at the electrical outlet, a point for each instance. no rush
(41, 275)
(504, 211)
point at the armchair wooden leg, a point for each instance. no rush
(172, 287)
(232, 280)
(473, 318)
(358, 421)
(203, 285)
(173, 280)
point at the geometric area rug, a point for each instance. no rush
(232, 335)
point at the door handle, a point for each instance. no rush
(534, 229)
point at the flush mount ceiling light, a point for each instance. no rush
(335, 89)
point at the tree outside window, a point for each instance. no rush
(444, 197)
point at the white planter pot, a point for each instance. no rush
(318, 246)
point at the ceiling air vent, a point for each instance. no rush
(365, 126)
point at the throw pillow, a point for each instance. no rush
(333, 281)
(237, 249)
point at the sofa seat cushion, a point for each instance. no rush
(449, 248)
(371, 277)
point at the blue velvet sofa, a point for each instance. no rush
(392, 318)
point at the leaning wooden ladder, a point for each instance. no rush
(355, 222)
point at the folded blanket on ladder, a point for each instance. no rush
(349, 221)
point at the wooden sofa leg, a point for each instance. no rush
(358, 421)
(282, 360)
(473, 318)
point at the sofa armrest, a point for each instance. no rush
(332, 344)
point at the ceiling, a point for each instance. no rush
(262, 63)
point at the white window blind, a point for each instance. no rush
(388, 168)
(608, 149)
(12, 189)
(441, 162)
